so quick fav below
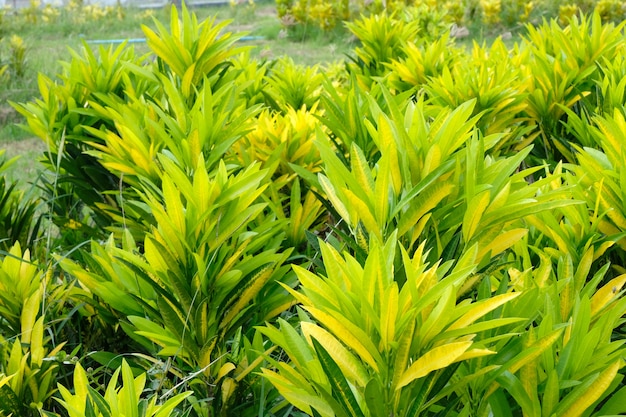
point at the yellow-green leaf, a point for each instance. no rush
(346, 361)
(388, 315)
(346, 336)
(502, 242)
(593, 392)
(607, 293)
(475, 209)
(436, 358)
(481, 308)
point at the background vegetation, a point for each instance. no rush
(428, 227)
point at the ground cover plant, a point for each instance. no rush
(426, 229)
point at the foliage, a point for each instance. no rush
(116, 400)
(370, 345)
(563, 69)
(14, 67)
(19, 222)
(29, 354)
(429, 229)
(382, 37)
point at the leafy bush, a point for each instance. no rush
(371, 345)
(29, 354)
(19, 220)
(125, 399)
(429, 229)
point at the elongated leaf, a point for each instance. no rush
(347, 362)
(481, 308)
(584, 395)
(342, 331)
(475, 209)
(434, 359)
(389, 315)
(341, 390)
(607, 293)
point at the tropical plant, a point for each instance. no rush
(29, 354)
(291, 86)
(207, 269)
(566, 361)
(382, 39)
(423, 60)
(19, 221)
(493, 78)
(599, 173)
(376, 340)
(280, 142)
(434, 182)
(562, 69)
(113, 111)
(117, 400)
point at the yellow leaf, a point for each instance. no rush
(36, 343)
(388, 315)
(566, 300)
(187, 82)
(432, 161)
(502, 242)
(474, 353)
(382, 191)
(402, 353)
(422, 204)
(5, 379)
(349, 365)
(229, 386)
(363, 213)
(394, 167)
(528, 372)
(481, 308)
(174, 205)
(434, 359)
(29, 315)
(607, 293)
(594, 392)
(475, 209)
(257, 282)
(614, 213)
(346, 336)
(584, 266)
(224, 370)
(361, 170)
(255, 363)
(528, 356)
(334, 199)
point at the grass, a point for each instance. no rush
(25, 170)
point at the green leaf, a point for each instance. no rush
(583, 396)
(103, 407)
(373, 395)
(340, 389)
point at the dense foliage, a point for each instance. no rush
(427, 230)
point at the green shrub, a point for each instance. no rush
(414, 203)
